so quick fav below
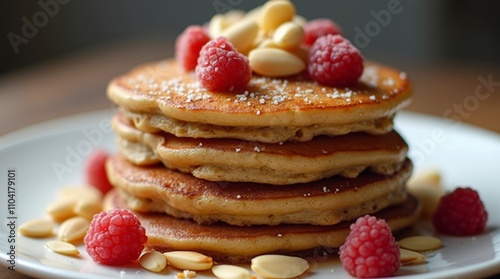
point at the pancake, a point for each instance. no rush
(324, 202)
(233, 244)
(162, 88)
(280, 164)
(154, 123)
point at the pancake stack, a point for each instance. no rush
(283, 166)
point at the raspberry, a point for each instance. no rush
(95, 171)
(320, 27)
(460, 213)
(221, 67)
(370, 249)
(334, 61)
(115, 237)
(188, 46)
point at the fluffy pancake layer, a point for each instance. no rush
(154, 123)
(324, 202)
(280, 164)
(226, 243)
(165, 89)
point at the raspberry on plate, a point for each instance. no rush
(115, 238)
(188, 46)
(460, 213)
(334, 61)
(221, 67)
(95, 170)
(320, 27)
(370, 249)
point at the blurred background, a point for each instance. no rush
(67, 50)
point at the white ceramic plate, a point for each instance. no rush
(465, 155)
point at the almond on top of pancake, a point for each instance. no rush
(296, 101)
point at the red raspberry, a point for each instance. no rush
(460, 212)
(370, 249)
(334, 61)
(95, 170)
(115, 238)
(188, 46)
(221, 67)
(320, 27)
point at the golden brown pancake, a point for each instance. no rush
(324, 202)
(163, 88)
(233, 244)
(270, 134)
(280, 164)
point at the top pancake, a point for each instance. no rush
(163, 88)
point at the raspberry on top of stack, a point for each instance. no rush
(267, 134)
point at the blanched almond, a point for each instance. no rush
(275, 13)
(242, 35)
(274, 62)
(188, 260)
(420, 243)
(61, 210)
(62, 247)
(73, 230)
(80, 192)
(87, 209)
(217, 24)
(153, 261)
(279, 266)
(37, 228)
(408, 257)
(231, 272)
(426, 187)
(289, 35)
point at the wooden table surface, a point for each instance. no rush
(77, 83)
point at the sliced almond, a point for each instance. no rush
(73, 230)
(188, 260)
(37, 228)
(61, 210)
(62, 247)
(87, 208)
(420, 243)
(231, 272)
(279, 266)
(408, 257)
(153, 261)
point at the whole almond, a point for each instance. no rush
(188, 260)
(231, 272)
(279, 266)
(242, 35)
(408, 257)
(37, 228)
(73, 230)
(274, 62)
(80, 192)
(61, 210)
(289, 35)
(87, 209)
(217, 24)
(275, 13)
(153, 261)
